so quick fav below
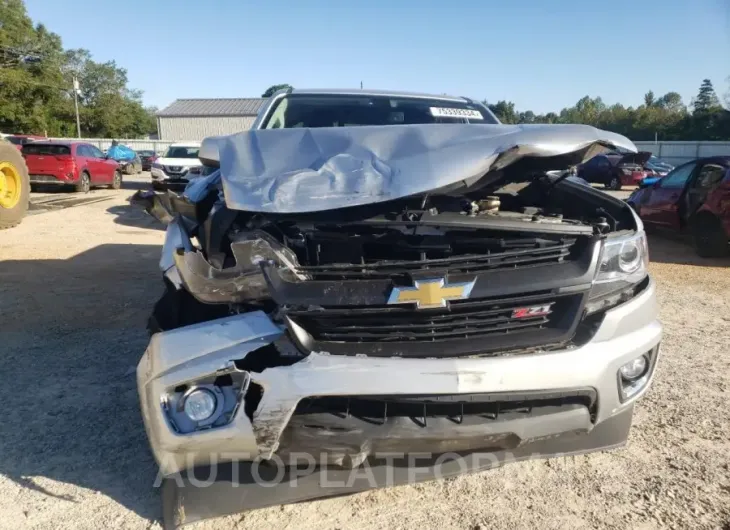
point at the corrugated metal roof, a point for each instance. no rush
(213, 107)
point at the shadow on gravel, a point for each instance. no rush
(73, 331)
(136, 184)
(667, 249)
(130, 215)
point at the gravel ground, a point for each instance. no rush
(76, 286)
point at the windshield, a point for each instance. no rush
(176, 151)
(301, 110)
(45, 149)
(145, 153)
(17, 140)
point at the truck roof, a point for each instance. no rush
(371, 92)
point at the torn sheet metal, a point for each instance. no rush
(307, 170)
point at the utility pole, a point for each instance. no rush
(76, 104)
(360, 85)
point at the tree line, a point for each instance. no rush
(37, 92)
(665, 117)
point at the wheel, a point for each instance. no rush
(84, 183)
(14, 186)
(129, 169)
(614, 183)
(709, 237)
(117, 180)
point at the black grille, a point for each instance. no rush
(356, 252)
(463, 319)
(493, 406)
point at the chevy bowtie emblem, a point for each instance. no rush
(431, 293)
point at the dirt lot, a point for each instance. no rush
(76, 286)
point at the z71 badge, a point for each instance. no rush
(532, 311)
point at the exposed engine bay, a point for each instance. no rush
(300, 267)
(343, 243)
(427, 227)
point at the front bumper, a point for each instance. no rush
(161, 179)
(214, 491)
(179, 356)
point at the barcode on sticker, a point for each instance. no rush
(446, 112)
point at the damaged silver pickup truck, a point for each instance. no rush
(369, 276)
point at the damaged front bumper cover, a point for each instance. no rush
(277, 430)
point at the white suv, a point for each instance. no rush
(173, 167)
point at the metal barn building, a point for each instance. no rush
(195, 119)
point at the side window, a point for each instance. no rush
(95, 151)
(709, 177)
(82, 150)
(278, 117)
(678, 177)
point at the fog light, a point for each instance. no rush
(633, 377)
(634, 369)
(200, 404)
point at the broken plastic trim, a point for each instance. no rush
(155, 204)
(245, 281)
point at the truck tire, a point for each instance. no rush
(710, 239)
(14, 186)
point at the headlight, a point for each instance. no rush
(624, 259)
(155, 165)
(624, 263)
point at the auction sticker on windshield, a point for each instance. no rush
(446, 112)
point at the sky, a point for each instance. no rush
(542, 54)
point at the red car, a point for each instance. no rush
(615, 170)
(78, 164)
(693, 198)
(19, 140)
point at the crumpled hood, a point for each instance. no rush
(306, 170)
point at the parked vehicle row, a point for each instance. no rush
(693, 198)
(69, 163)
(617, 169)
(655, 166)
(147, 157)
